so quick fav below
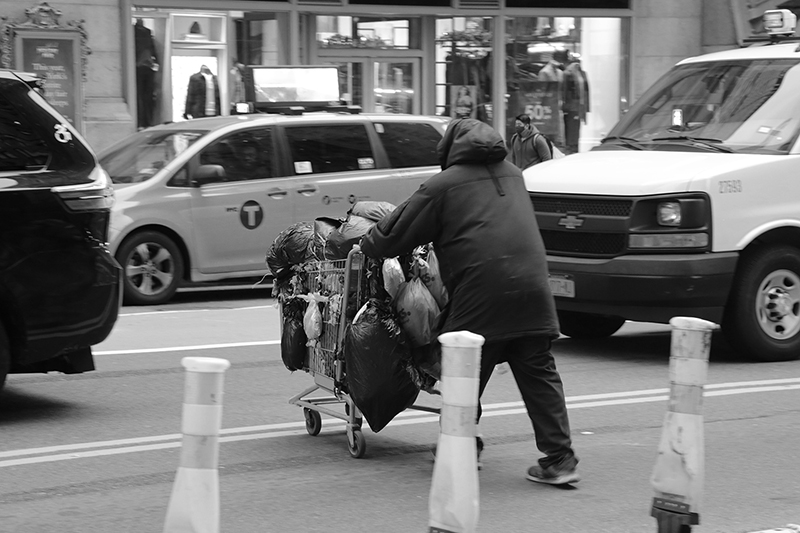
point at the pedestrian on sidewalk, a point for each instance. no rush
(528, 146)
(479, 217)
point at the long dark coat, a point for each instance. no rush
(196, 96)
(479, 217)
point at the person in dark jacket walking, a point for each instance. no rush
(479, 217)
(528, 146)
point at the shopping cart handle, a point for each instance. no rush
(356, 247)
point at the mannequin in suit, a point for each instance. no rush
(146, 68)
(576, 102)
(202, 96)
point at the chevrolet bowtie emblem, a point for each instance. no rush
(571, 221)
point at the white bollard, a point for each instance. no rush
(194, 503)
(679, 472)
(453, 502)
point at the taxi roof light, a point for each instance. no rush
(779, 21)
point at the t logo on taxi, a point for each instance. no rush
(251, 214)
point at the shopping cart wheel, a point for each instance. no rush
(356, 443)
(313, 421)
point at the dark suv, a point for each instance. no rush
(59, 285)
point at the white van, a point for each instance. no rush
(690, 206)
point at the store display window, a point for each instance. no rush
(464, 67)
(566, 74)
(368, 32)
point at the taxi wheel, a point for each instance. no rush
(5, 356)
(762, 317)
(588, 326)
(153, 268)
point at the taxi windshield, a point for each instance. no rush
(139, 157)
(732, 106)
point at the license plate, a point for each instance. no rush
(562, 286)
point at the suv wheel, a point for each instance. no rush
(762, 316)
(152, 266)
(588, 326)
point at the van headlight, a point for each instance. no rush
(669, 214)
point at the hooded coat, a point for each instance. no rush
(480, 219)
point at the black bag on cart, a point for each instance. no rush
(376, 366)
(292, 246)
(293, 335)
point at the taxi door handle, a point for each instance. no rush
(307, 190)
(277, 193)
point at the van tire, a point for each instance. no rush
(152, 267)
(762, 317)
(588, 326)
(5, 356)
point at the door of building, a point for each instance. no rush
(390, 85)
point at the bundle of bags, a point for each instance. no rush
(390, 349)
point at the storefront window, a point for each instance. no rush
(368, 32)
(566, 74)
(464, 67)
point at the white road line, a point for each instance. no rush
(179, 311)
(270, 431)
(187, 348)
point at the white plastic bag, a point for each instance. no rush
(312, 319)
(393, 275)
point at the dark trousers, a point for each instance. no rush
(539, 383)
(572, 131)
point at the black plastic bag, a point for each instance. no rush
(293, 336)
(341, 240)
(376, 363)
(371, 210)
(323, 226)
(293, 246)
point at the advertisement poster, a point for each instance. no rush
(54, 59)
(463, 99)
(540, 101)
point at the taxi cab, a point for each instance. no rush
(202, 200)
(690, 206)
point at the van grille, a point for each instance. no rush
(564, 223)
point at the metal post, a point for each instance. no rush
(679, 471)
(194, 503)
(453, 501)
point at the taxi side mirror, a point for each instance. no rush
(208, 174)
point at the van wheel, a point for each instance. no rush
(762, 316)
(152, 266)
(588, 326)
(5, 356)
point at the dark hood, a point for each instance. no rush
(469, 141)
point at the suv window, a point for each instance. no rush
(409, 144)
(329, 148)
(245, 155)
(33, 139)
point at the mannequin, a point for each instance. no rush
(236, 91)
(553, 72)
(576, 103)
(202, 96)
(146, 68)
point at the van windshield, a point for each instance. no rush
(140, 156)
(740, 106)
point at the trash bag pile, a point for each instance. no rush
(389, 349)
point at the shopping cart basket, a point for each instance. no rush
(345, 284)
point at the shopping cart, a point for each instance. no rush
(346, 284)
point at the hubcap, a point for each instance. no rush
(150, 269)
(778, 304)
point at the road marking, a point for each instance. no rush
(178, 311)
(84, 450)
(186, 348)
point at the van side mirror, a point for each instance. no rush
(208, 174)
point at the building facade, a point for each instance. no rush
(115, 66)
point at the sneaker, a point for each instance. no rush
(551, 476)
